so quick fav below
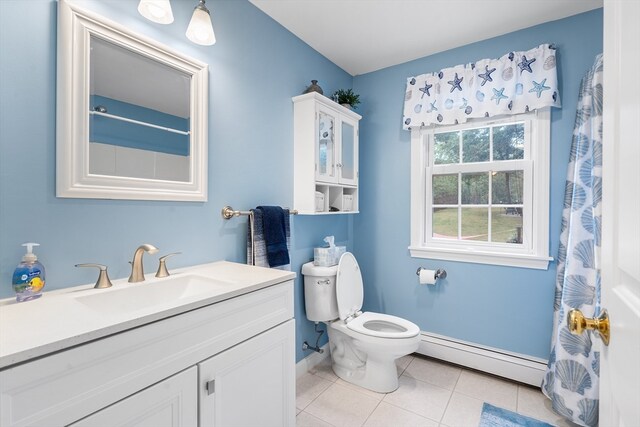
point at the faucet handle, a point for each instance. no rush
(162, 267)
(103, 278)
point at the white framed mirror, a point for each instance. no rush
(131, 114)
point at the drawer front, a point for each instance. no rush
(66, 386)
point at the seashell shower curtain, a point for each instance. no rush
(572, 378)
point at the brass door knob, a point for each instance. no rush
(577, 323)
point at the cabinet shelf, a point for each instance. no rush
(325, 156)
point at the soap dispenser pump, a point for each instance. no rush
(28, 277)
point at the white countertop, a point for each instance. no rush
(59, 319)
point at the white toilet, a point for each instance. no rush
(364, 346)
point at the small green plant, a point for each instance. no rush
(346, 96)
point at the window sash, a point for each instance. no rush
(527, 211)
(430, 159)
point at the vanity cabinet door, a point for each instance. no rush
(169, 403)
(251, 384)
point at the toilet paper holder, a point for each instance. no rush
(440, 273)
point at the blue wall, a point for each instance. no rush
(111, 131)
(501, 307)
(255, 68)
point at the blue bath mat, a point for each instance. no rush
(492, 416)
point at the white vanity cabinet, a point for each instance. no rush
(325, 156)
(229, 363)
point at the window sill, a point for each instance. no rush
(483, 257)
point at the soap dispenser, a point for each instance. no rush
(28, 277)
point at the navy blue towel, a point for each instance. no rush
(275, 235)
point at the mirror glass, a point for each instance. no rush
(131, 117)
(139, 122)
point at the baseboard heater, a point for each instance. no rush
(518, 367)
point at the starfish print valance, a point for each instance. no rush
(517, 82)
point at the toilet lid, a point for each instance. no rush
(349, 290)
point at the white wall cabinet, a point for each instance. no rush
(157, 374)
(326, 142)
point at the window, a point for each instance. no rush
(480, 191)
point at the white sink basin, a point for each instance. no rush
(140, 296)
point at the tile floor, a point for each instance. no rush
(431, 394)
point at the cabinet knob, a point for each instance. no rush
(210, 386)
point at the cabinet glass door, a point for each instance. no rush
(348, 154)
(326, 147)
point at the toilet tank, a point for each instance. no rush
(320, 292)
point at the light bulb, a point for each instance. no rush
(200, 30)
(156, 10)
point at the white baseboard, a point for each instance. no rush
(518, 367)
(309, 362)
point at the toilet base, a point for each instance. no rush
(368, 363)
(378, 376)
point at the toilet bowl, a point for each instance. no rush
(363, 345)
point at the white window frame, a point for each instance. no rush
(534, 251)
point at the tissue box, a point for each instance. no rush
(347, 202)
(326, 257)
(319, 201)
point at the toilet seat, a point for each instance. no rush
(383, 326)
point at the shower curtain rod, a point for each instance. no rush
(137, 122)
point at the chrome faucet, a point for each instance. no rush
(137, 270)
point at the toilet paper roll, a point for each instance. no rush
(427, 277)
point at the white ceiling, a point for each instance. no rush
(362, 36)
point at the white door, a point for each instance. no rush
(251, 384)
(169, 403)
(620, 361)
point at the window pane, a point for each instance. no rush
(475, 188)
(445, 189)
(506, 225)
(475, 145)
(445, 223)
(475, 224)
(508, 142)
(507, 187)
(447, 148)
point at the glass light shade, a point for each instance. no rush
(156, 10)
(200, 30)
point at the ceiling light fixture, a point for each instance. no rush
(200, 30)
(156, 10)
